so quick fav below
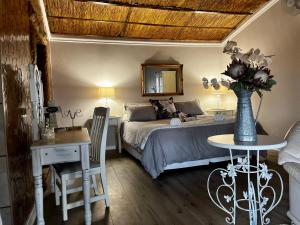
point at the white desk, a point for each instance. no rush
(68, 146)
(259, 206)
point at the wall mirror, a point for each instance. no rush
(162, 79)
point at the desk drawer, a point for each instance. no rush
(60, 155)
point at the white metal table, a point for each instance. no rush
(259, 206)
(68, 146)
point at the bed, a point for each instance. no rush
(160, 146)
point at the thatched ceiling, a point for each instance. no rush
(184, 20)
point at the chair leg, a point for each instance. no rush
(64, 197)
(104, 186)
(57, 191)
(94, 184)
(52, 171)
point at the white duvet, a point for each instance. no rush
(137, 133)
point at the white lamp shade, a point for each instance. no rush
(107, 92)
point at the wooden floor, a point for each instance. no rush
(176, 197)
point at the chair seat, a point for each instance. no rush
(73, 167)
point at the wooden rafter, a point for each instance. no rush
(136, 23)
(170, 8)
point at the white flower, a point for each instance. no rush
(245, 194)
(242, 163)
(264, 201)
(268, 60)
(261, 75)
(265, 172)
(229, 47)
(225, 83)
(223, 174)
(231, 171)
(257, 51)
(227, 198)
(215, 84)
(205, 82)
(238, 56)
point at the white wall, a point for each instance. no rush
(278, 33)
(78, 69)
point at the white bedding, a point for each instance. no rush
(136, 133)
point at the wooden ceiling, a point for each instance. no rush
(180, 20)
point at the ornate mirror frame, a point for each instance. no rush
(179, 78)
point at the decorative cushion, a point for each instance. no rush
(141, 113)
(165, 109)
(191, 108)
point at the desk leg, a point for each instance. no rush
(38, 187)
(85, 164)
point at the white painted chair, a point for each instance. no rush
(70, 171)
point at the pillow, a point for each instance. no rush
(191, 108)
(140, 113)
(165, 109)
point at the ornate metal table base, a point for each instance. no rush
(259, 206)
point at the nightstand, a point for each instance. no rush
(114, 136)
(225, 112)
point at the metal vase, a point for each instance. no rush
(244, 128)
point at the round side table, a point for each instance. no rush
(259, 206)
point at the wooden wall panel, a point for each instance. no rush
(4, 198)
(15, 57)
(2, 132)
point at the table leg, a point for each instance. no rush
(85, 163)
(38, 184)
(38, 187)
(258, 188)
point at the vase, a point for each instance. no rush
(244, 128)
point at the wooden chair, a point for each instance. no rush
(70, 171)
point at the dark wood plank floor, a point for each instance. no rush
(177, 197)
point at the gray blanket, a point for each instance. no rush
(162, 145)
(167, 146)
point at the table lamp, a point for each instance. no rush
(107, 93)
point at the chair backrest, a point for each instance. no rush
(99, 134)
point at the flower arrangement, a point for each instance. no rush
(248, 70)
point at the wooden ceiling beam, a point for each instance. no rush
(136, 23)
(126, 22)
(169, 8)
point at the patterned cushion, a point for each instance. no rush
(165, 109)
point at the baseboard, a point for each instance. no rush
(32, 216)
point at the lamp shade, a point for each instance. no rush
(107, 92)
